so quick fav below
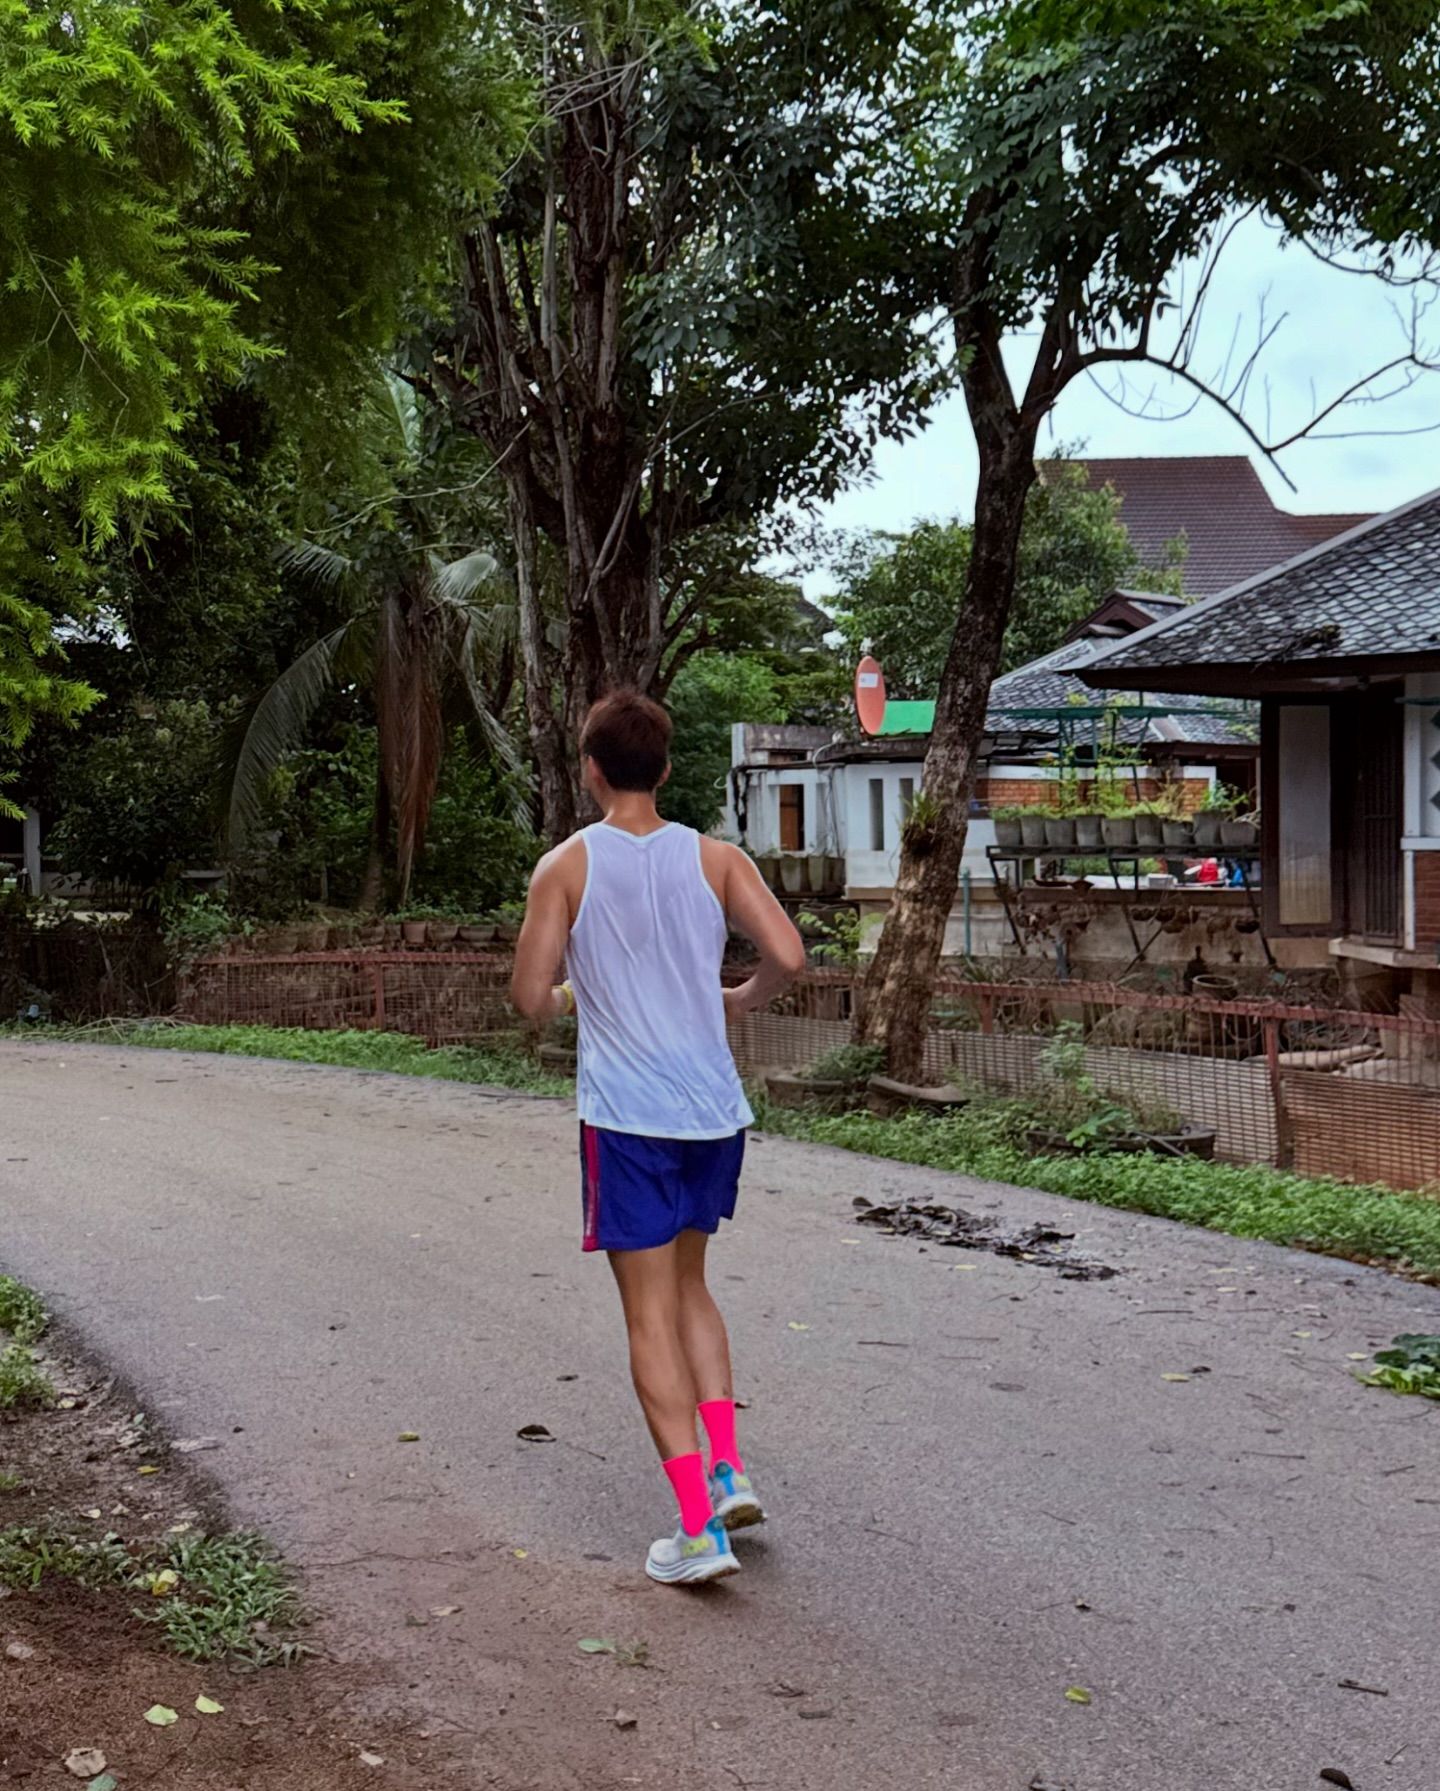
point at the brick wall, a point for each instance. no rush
(1038, 792)
(1427, 898)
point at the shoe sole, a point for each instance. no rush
(741, 1511)
(694, 1573)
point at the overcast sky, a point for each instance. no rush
(1336, 328)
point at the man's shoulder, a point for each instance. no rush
(561, 862)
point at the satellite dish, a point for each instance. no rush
(870, 695)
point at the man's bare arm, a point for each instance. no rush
(752, 910)
(542, 941)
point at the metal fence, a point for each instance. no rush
(1327, 1090)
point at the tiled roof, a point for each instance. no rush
(1044, 685)
(1231, 527)
(1375, 593)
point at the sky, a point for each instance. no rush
(1334, 328)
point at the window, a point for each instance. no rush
(792, 817)
(877, 814)
(1302, 815)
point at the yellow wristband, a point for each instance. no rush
(569, 995)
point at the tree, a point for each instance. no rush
(1091, 148)
(426, 628)
(900, 595)
(183, 184)
(669, 323)
(712, 691)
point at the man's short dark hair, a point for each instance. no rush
(628, 737)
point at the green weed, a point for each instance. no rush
(10, 1481)
(1410, 1365)
(393, 1052)
(22, 1311)
(22, 1380)
(230, 1597)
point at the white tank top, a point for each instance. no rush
(644, 961)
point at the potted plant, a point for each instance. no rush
(508, 917)
(1221, 805)
(1089, 827)
(559, 1050)
(1242, 831)
(1117, 829)
(835, 871)
(835, 1081)
(1149, 825)
(792, 872)
(769, 866)
(1032, 826)
(1059, 829)
(414, 930)
(1177, 832)
(817, 866)
(477, 932)
(1067, 1113)
(1007, 825)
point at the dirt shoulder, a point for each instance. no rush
(79, 1669)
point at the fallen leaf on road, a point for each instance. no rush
(1302, 1333)
(208, 1707)
(149, 1468)
(444, 1610)
(106, 1782)
(794, 1327)
(409, 1436)
(93, 1513)
(1174, 1377)
(1077, 1694)
(194, 1445)
(1357, 1355)
(19, 1651)
(84, 1762)
(593, 1645)
(534, 1433)
(624, 1719)
(1333, 1775)
(369, 1759)
(164, 1582)
(160, 1716)
(521, 1554)
(814, 1716)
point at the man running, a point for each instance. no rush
(640, 908)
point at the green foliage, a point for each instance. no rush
(496, 1066)
(1367, 1224)
(233, 1599)
(901, 594)
(22, 1311)
(847, 1063)
(22, 1380)
(710, 692)
(1410, 1365)
(834, 939)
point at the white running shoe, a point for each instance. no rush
(684, 1560)
(736, 1502)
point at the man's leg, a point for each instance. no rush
(649, 1286)
(707, 1349)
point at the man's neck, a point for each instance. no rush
(633, 811)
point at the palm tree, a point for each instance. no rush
(432, 635)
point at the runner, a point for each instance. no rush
(640, 908)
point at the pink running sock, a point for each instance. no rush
(718, 1417)
(687, 1476)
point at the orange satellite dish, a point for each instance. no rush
(870, 695)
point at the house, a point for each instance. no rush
(824, 813)
(1340, 646)
(1216, 503)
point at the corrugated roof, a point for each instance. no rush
(1372, 594)
(1232, 528)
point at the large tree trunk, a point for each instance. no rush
(898, 989)
(547, 737)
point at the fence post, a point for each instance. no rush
(1284, 1138)
(377, 977)
(987, 1012)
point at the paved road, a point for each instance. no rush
(986, 1492)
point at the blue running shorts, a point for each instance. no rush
(642, 1192)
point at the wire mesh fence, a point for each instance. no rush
(82, 970)
(1325, 1089)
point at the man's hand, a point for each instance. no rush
(743, 999)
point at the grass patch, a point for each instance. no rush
(211, 1597)
(22, 1311)
(396, 1053)
(1366, 1224)
(10, 1481)
(22, 1380)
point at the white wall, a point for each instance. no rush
(823, 830)
(868, 866)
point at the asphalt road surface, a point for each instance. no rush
(984, 1491)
